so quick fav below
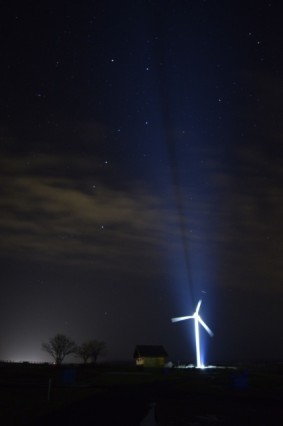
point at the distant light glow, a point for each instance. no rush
(198, 320)
(205, 367)
(30, 360)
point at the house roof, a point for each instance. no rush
(150, 351)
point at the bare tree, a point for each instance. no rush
(59, 346)
(85, 351)
(99, 350)
(91, 350)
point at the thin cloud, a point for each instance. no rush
(64, 220)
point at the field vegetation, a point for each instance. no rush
(34, 393)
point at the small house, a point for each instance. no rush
(150, 356)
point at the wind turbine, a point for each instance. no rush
(198, 320)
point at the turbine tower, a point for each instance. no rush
(198, 320)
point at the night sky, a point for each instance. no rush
(141, 171)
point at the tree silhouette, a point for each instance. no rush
(59, 347)
(91, 349)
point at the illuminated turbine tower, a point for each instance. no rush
(198, 320)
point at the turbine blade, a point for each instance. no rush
(180, 318)
(198, 306)
(205, 326)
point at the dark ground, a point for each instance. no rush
(106, 397)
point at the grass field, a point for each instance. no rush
(116, 395)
